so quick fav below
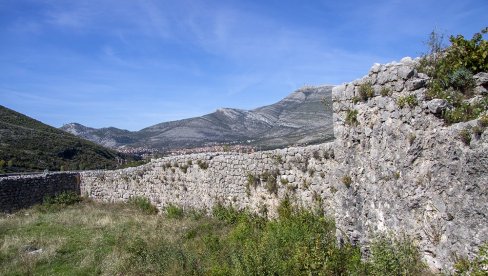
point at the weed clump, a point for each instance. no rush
(63, 198)
(143, 204)
(351, 117)
(202, 164)
(174, 212)
(465, 136)
(410, 100)
(347, 180)
(366, 91)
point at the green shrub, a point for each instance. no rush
(462, 80)
(366, 91)
(227, 214)
(278, 159)
(451, 70)
(477, 131)
(311, 172)
(395, 256)
(351, 117)
(143, 204)
(63, 198)
(252, 181)
(174, 212)
(316, 155)
(465, 111)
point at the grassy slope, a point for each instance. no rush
(119, 239)
(32, 145)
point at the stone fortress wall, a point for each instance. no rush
(17, 192)
(390, 169)
(399, 170)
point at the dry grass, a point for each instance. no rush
(86, 238)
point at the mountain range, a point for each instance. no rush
(300, 118)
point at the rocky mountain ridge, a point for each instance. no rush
(300, 118)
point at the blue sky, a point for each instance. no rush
(135, 63)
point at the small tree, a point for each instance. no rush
(2, 164)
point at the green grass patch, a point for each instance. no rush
(90, 238)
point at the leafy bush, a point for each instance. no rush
(143, 204)
(452, 69)
(351, 117)
(465, 111)
(226, 213)
(462, 80)
(252, 181)
(395, 256)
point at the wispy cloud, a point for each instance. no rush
(134, 63)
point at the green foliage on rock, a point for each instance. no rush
(451, 70)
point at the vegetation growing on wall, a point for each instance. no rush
(451, 70)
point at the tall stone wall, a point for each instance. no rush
(17, 192)
(410, 172)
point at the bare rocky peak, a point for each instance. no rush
(300, 118)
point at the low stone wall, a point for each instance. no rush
(17, 192)
(254, 181)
